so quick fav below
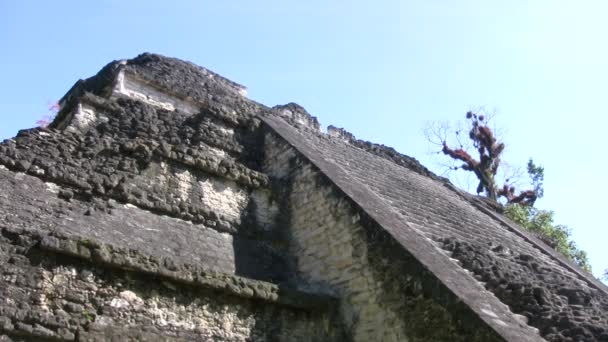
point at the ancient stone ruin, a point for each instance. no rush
(163, 205)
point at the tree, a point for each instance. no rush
(519, 208)
(485, 167)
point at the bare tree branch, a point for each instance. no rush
(482, 159)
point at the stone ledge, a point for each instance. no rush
(189, 106)
(108, 256)
(194, 88)
(209, 164)
(81, 189)
(214, 166)
(182, 75)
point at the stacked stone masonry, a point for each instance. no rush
(162, 204)
(51, 292)
(160, 198)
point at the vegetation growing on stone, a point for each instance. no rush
(50, 116)
(519, 208)
(558, 236)
(485, 167)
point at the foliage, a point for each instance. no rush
(537, 176)
(540, 222)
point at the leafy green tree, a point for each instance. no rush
(537, 177)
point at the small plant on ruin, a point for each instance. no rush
(46, 119)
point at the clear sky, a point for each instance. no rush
(381, 69)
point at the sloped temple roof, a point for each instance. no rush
(162, 204)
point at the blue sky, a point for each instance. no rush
(380, 69)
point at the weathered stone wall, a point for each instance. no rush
(104, 241)
(197, 168)
(60, 289)
(385, 294)
(143, 214)
(130, 86)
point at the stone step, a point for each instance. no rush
(55, 209)
(207, 189)
(62, 287)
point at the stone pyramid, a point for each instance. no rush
(163, 205)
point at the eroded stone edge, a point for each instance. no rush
(110, 256)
